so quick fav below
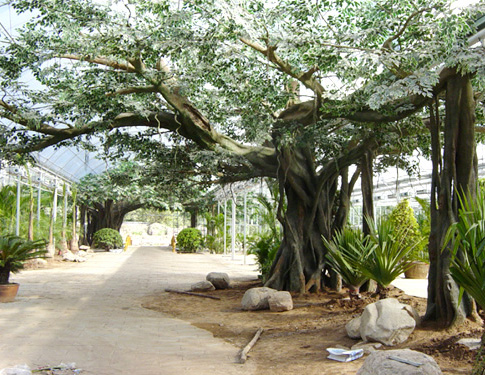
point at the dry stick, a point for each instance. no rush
(243, 356)
(191, 294)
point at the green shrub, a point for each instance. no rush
(265, 249)
(189, 240)
(107, 239)
(403, 221)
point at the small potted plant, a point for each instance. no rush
(14, 251)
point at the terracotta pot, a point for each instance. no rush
(8, 292)
(419, 270)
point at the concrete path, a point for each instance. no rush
(89, 313)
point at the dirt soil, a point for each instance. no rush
(294, 342)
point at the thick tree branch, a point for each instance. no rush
(304, 113)
(306, 78)
(387, 45)
(133, 90)
(100, 60)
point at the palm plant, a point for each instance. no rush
(466, 239)
(346, 251)
(390, 256)
(14, 251)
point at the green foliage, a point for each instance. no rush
(266, 245)
(390, 256)
(424, 222)
(466, 238)
(8, 204)
(265, 248)
(214, 240)
(404, 222)
(126, 183)
(189, 240)
(346, 251)
(107, 239)
(14, 251)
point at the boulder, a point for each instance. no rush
(280, 301)
(16, 370)
(382, 363)
(471, 343)
(220, 280)
(257, 298)
(353, 328)
(202, 286)
(387, 321)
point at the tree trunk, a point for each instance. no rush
(453, 173)
(4, 274)
(310, 199)
(107, 215)
(193, 217)
(367, 186)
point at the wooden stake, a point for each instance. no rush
(243, 355)
(191, 294)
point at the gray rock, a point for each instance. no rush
(220, 280)
(202, 286)
(257, 298)
(68, 256)
(16, 370)
(280, 301)
(353, 328)
(380, 363)
(471, 343)
(387, 321)
(369, 347)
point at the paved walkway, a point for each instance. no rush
(89, 313)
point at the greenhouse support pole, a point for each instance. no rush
(54, 204)
(64, 211)
(233, 230)
(244, 227)
(225, 226)
(39, 194)
(17, 224)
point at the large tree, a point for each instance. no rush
(219, 75)
(106, 198)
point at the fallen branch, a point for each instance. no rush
(243, 356)
(191, 294)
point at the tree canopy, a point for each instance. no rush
(220, 80)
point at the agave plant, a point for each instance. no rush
(14, 251)
(390, 256)
(347, 249)
(466, 239)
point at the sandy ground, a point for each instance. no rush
(295, 342)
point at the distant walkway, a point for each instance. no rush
(90, 313)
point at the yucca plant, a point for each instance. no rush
(390, 256)
(466, 239)
(346, 251)
(14, 251)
